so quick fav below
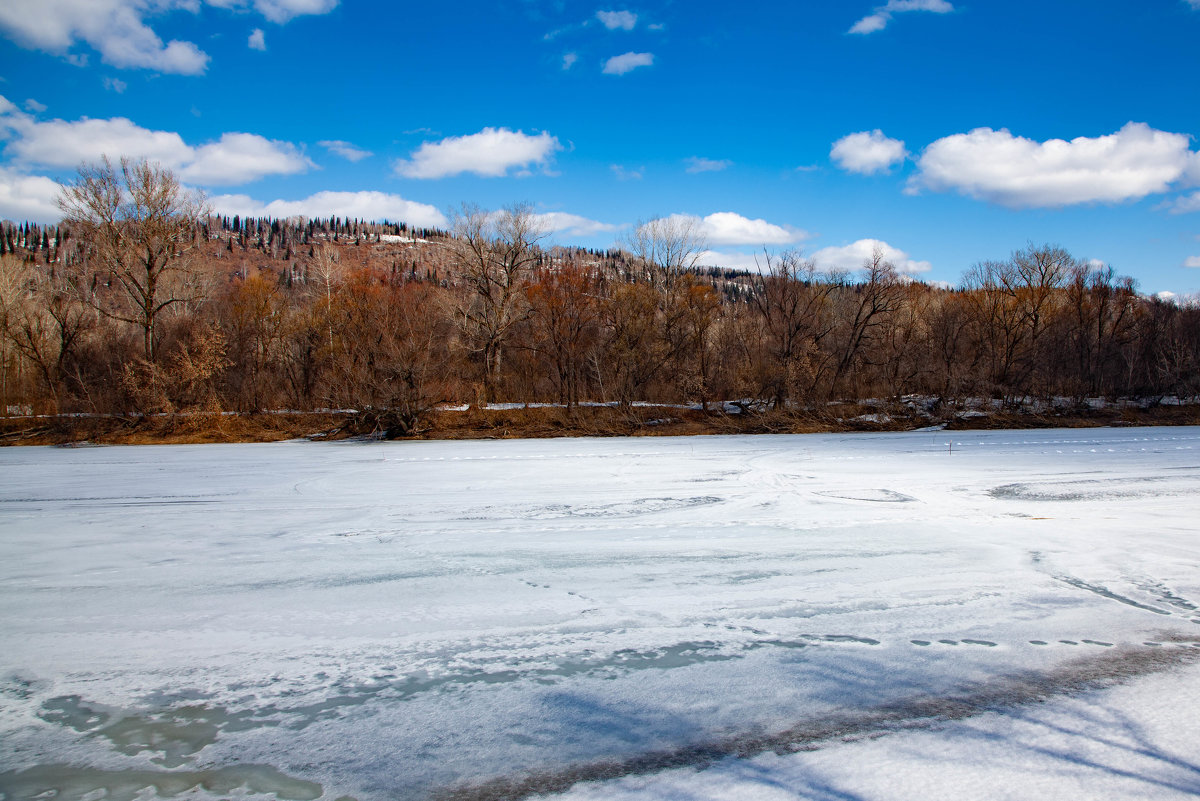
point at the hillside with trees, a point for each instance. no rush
(141, 304)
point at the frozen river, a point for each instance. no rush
(758, 617)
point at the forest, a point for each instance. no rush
(142, 302)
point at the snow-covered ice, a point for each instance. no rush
(813, 617)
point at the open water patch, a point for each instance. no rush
(69, 783)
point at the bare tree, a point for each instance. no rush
(495, 254)
(792, 303)
(565, 322)
(328, 274)
(48, 326)
(868, 306)
(137, 224)
(14, 298)
(666, 247)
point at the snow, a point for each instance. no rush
(401, 240)
(813, 617)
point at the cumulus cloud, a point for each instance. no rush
(257, 40)
(626, 62)
(114, 28)
(117, 29)
(731, 260)
(345, 149)
(882, 15)
(1021, 173)
(569, 60)
(59, 143)
(1192, 261)
(235, 158)
(852, 257)
(573, 224)
(731, 229)
(28, 197)
(361, 205)
(617, 20)
(698, 164)
(34, 106)
(491, 153)
(867, 152)
(115, 85)
(238, 158)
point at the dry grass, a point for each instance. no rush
(538, 422)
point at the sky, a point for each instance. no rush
(942, 132)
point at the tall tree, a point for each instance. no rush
(138, 225)
(565, 320)
(792, 303)
(664, 248)
(495, 254)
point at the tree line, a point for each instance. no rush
(142, 302)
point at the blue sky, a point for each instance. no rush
(944, 131)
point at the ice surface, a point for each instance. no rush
(791, 617)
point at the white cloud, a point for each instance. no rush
(361, 205)
(1021, 173)
(867, 152)
(698, 164)
(257, 40)
(118, 30)
(238, 158)
(34, 106)
(58, 143)
(569, 60)
(731, 260)
(936, 6)
(627, 174)
(345, 149)
(624, 20)
(278, 11)
(853, 256)
(1194, 4)
(28, 197)
(1185, 204)
(574, 224)
(879, 19)
(491, 153)
(114, 28)
(1192, 261)
(281, 11)
(619, 65)
(115, 85)
(730, 228)
(871, 23)
(235, 158)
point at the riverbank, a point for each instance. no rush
(516, 421)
